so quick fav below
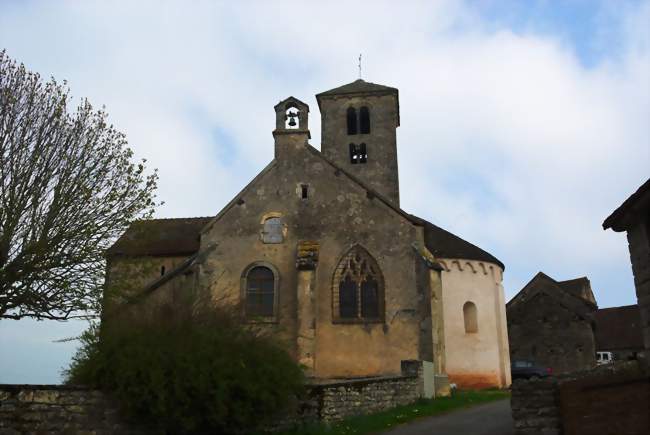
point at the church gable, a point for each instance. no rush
(305, 197)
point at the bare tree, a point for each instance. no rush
(68, 188)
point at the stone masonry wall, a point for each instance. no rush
(639, 244)
(608, 400)
(536, 406)
(56, 409)
(343, 399)
(74, 410)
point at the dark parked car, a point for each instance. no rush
(522, 369)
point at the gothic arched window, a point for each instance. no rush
(470, 317)
(259, 291)
(352, 120)
(357, 288)
(364, 120)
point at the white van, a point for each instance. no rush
(604, 357)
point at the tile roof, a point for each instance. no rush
(160, 237)
(618, 328)
(579, 287)
(563, 294)
(444, 244)
(359, 87)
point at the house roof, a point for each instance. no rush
(159, 237)
(542, 283)
(618, 220)
(618, 328)
(579, 287)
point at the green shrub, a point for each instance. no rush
(189, 371)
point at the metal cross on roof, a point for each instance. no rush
(359, 65)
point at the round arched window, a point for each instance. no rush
(260, 292)
(469, 314)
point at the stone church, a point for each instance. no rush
(317, 248)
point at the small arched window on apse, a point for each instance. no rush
(292, 117)
(364, 120)
(470, 316)
(352, 120)
(273, 229)
(260, 292)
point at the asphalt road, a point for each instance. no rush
(492, 418)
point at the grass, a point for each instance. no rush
(382, 421)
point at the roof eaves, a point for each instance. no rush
(616, 220)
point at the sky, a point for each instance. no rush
(524, 124)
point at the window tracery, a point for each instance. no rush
(357, 288)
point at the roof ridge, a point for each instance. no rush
(173, 219)
(618, 308)
(358, 86)
(558, 287)
(573, 279)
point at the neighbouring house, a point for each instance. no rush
(633, 216)
(551, 323)
(317, 249)
(617, 330)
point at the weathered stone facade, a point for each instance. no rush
(312, 220)
(552, 326)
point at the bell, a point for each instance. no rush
(292, 120)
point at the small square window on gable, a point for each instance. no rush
(304, 191)
(272, 229)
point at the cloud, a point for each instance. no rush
(519, 135)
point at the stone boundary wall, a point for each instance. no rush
(536, 406)
(60, 409)
(338, 400)
(69, 410)
(610, 400)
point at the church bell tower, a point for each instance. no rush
(359, 123)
